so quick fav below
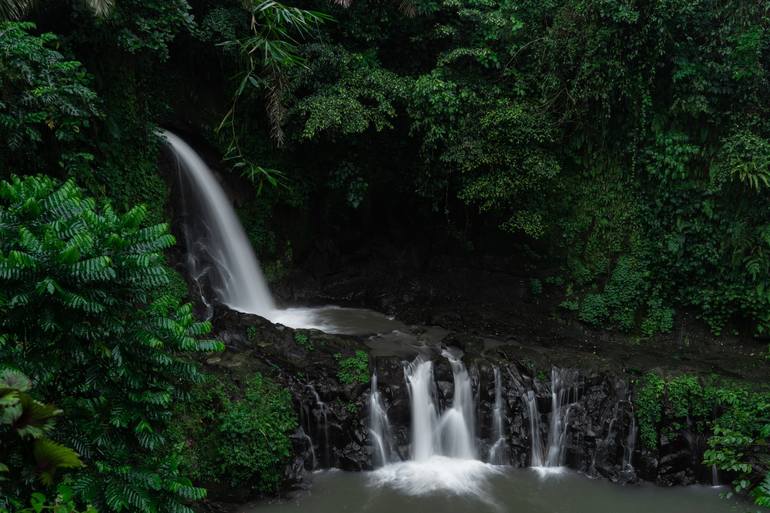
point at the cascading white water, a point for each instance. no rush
(561, 388)
(450, 435)
(443, 449)
(239, 282)
(536, 444)
(497, 453)
(323, 409)
(628, 449)
(422, 393)
(219, 254)
(563, 398)
(379, 426)
(301, 433)
(456, 424)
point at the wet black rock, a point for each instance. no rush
(599, 427)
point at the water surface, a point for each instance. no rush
(474, 487)
(336, 319)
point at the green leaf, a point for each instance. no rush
(14, 379)
(51, 456)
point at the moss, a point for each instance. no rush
(303, 340)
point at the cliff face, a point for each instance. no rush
(593, 399)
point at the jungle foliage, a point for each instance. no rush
(734, 419)
(623, 144)
(83, 313)
(237, 438)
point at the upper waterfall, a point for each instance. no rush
(219, 254)
(239, 282)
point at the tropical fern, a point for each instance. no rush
(745, 158)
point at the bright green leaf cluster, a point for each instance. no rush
(353, 369)
(83, 314)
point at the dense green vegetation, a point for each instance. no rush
(622, 146)
(735, 419)
(237, 438)
(353, 369)
(83, 317)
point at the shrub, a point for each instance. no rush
(303, 340)
(83, 310)
(735, 419)
(649, 408)
(46, 104)
(353, 369)
(27, 453)
(62, 502)
(238, 438)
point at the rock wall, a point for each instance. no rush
(599, 427)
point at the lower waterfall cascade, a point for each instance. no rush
(445, 437)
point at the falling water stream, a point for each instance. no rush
(563, 396)
(498, 451)
(379, 426)
(220, 255)
(324, 422)
(224, 242)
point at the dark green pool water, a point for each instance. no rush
(479, 488)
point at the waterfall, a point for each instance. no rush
(563, 398)
(379, 426)
(536, 444)
(325, 423)
(443, 445)
(422, 393)
(497, 453)
(236, 277)
(451, 434)
(561, 394)
(456, 424)
(628, 450)
(309, 441)
(221, 260)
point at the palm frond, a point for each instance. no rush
(20, 9)
(101, 8)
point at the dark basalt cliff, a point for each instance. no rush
(600, 434)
